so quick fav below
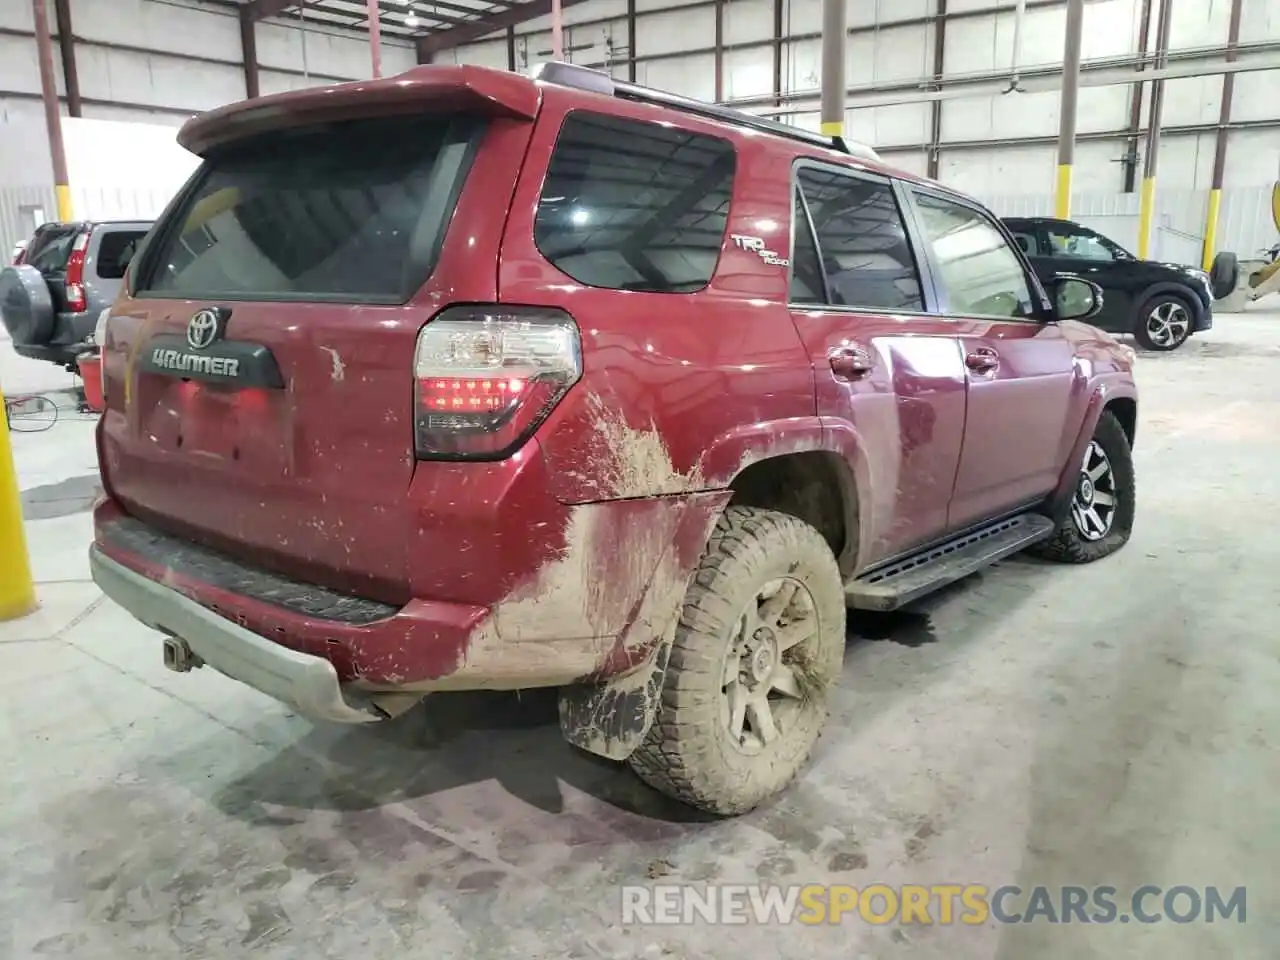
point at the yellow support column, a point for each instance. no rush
(62, 192)
(1211, 228)
(1146, 213)
(17, 592)
(1063, 207)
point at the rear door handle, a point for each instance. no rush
(982, 360)
(850, 363)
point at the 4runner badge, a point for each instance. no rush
(756, 245)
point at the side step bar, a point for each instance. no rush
(912, 577)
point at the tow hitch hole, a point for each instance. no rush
(179, 657)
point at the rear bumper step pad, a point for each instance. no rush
(307, 683)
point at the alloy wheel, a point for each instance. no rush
(1094, 506)
(763, 689)
(1168, 324)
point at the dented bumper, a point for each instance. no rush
(593, 610)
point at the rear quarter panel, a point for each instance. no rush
(679, 391)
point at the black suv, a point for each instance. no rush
(1161, 304)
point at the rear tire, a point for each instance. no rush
(1164, 323)
(1100, 518)
(755, 658)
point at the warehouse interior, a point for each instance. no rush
(1108, 725)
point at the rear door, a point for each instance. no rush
(259, 376)
(883, 366)
(1020, 368)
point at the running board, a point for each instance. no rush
(912, 577)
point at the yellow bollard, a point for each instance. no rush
(17, 592)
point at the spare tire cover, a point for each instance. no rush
(1224, 274)
(26, 305)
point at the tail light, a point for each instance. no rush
(486, 377)
(21, 257)
(76, 302)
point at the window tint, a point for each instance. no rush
(635, 206)
(862, 241)
(347, 212)
(1077, 244)
(981, 274)
(115, 250)
(807, 285)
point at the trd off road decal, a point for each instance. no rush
(756, 245)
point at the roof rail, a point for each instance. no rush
(596, 81)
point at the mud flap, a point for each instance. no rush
(612, 717)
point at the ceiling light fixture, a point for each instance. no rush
(411, 19)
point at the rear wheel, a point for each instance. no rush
(1164, 323)
(1100, 519)
(755, 658)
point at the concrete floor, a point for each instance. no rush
(1114, 724)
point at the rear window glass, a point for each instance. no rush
(51, 247)
(350, 212)
(115, 250)
(628, 205)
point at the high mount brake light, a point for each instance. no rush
(485, 378)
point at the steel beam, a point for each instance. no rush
(631, 40)
(1095, 74)
(834, 29)
(1150, 162)
(1068, 107)
(481, 27)
(934, 158)
(67, 50)
(1220, 146)
(52, 111)
(1130, 158)
(249, 54)
(777, 53)
(719, 51)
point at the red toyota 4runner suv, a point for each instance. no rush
(460, 379)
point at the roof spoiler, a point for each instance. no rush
(466, 87)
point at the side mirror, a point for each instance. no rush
(1075, 298)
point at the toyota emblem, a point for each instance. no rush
(203, 329)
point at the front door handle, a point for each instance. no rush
(850, 363)
(982, 360)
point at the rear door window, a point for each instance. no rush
(629, 205)
(862, 241)
(348, 212)
(115, 249)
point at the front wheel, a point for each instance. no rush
(1164, 323)
(1100, 518)
(752, 667)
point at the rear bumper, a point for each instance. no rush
(327, 654)
(53, 353)
(307, 683)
